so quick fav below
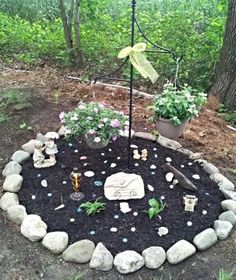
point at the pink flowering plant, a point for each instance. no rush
(96, 120)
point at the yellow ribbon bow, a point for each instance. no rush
(139, 61)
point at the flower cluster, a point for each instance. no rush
(178, 105)
(96, 120)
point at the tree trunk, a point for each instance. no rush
(78, 52)
(224, 86)
(66, 26)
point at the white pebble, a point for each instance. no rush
(162, 197)
(196, 176)
(171, 186)
(135, 214)
(133, 229)
(153, 166)
(110, 150)
(76, 151)
(169, 176)
(103, 172)
(175, 182)
(154, 149)
(134, 146)
(136, 164)
(83, 158)
(105, 161)
(116, 216)
(85, 164)
(156, 156)
(124, 207)
(182, 166)
(151, 188)
(204, 212)
(189, 223)
(64, 182)
(44, 183)
(113, 229)
(72, 220)
(118, 158)
(89, 173)
(190, 163)
(33, 197)
(168, 159)
(162, 231)
(113, 165)
(102, 154)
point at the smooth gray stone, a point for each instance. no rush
(128, 261)
(205, 239)
(222, 181)
(102, 258)
(56, 241)
(154, 257)
(180, 251)
(12, 167)
(229, 194)
(79, 252)
(29, 146)
(13, 183)
(222, 229)
(8, 199)
(20, 156)
(145, 135)
(16, 214)
(229, 204)
(228, 216)
(169, 143)
(209, 168)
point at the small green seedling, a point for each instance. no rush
(92, 208)
(155, 208)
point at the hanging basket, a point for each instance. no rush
(89, 140)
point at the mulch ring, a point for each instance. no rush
(134, 232)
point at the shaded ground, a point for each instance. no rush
(50, 93)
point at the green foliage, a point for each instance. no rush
(79, 276)
(155, 208)
(96, 120)
(12, 100)
(178, 105)
(92, 208)
(224, 275)
(228, 115)
(31, 31)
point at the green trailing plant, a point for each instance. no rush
(224, 275)
(178, 105)
(228, 115)
(92, 208)
(155, 208)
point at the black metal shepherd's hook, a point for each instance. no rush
(158, 49)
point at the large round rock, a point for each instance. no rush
(180, 251)
(128, 261)
(13, 183)
(154, 257)
(101, 259)
(205, 239)
(33, 228)
(12, 167)
(79, 252)
(56, 241)
(8, 199)
(16, 214)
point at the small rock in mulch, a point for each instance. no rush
(79, 252)
(8, 199)
(229, 194)
(56, 241)
(16, 214)
(101, 259)
(29, 147)
(168, 143)
(154, 257)
(13, 183)
(128, 261)
(205, 239)
(12, 167)
(228, 216)
(229, 204)
(222, 229)
(210, 168)
(33, 228)
(20, 156)
(180, 251)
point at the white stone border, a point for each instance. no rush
(100, 258)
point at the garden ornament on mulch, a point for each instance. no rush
(75, 176)
(190, 201)
(139, 61)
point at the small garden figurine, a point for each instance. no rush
(38, 156)
(51, 147)
(190, 201)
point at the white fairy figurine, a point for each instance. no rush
(38, 156)
(51, 147)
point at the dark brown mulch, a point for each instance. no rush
(173, 217)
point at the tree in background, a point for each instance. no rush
(224, 86)
(70, 15)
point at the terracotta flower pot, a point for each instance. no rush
(89, 140)
(168, 129)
